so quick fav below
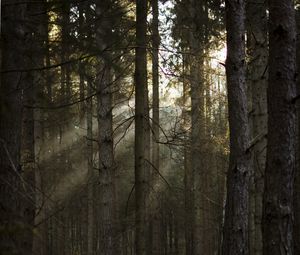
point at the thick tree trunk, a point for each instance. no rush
(235, 240)
(140, 126)
(42, 81)
(279, 176)
(32, 135)
(31, 82)
(14, 41)
(257, 79)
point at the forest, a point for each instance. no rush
(149, 127)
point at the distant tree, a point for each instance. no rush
(156, 228)
(193, 29)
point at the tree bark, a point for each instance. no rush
(235, 239)
(297, 173)
(198, 171)
(81, 65)
(31, 84)
(90, 165)
(155, 179)
(65, 40)
(106, 166)
(279, 176)
(257, 79)
(188, 206)
(197, 153)
(108, 240)
(14, 44)
(140, 126)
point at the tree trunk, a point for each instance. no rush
(279, 176)
(28, 163)
(235, 240)
(31, 83)
(222, 165)
(297, 172)
(81, 66)
(155, 179)
(108, 240)
(33, 131)
(90, 184)
(14, 42)
(188, 207)
(140, 126)
(106, 166)
(257, 79)
(197, 142)
(65, 40)
(197, 145)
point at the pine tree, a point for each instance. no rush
(15, 42)
(235, 238)
(140, 126)
(279, 175)
(257, 79)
